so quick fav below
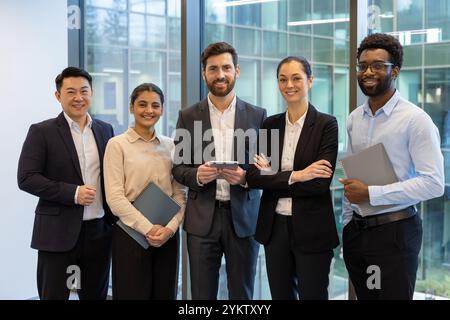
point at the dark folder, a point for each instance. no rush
(156, 206)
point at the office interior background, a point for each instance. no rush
(123, 43)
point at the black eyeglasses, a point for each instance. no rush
(375, 67)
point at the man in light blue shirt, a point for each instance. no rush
(381, 250)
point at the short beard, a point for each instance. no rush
(380, 89)
(230, 87)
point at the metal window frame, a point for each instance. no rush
(358, 30)
(192, 38)
(75, 38)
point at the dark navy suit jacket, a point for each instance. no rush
(49, 169)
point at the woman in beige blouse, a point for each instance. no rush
(132, 161)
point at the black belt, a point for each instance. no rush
(223, 204)
(378, 220)
(94, 221)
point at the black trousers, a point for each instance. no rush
(294, 274)
(91, 256)
(205, 258)
(393, 248)
(144, 274)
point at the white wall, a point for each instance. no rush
(33, 50)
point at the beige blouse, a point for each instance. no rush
(130, 164)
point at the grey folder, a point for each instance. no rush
(373, 167)
(156, 206)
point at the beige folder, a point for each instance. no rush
(373, 167)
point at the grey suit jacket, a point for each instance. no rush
(201, 199)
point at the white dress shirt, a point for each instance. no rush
(291, 136)
(222, 124)
(89, 164)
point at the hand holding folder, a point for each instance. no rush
(156, 206)
(158, 235)
(372, 167)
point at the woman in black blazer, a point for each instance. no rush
(296, 220)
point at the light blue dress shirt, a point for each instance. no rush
(412, 143)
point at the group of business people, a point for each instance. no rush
(86, 179)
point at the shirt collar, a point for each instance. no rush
(387, 108)
(133, 136)
(230, 108)
(300, 122)
(73, 124)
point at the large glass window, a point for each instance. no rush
(423, 27)
(263, 34)
(128, 42)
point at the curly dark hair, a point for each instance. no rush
(386, 42)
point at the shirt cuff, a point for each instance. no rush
(76, 195)
(172, 228)
(198, 182)
(173, 224)
(244, 185)
(144, 226)
(290, 182)
(375, 195)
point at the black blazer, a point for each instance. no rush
(201, 199)
(313, 221)
(49, 169)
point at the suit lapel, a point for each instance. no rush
(305, 136)
(206, 124)
(100, 142)
(281, 125)
(99, 139)
(205, 118)
(240, 122)
(64, 131)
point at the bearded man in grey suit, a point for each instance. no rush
(221, 211)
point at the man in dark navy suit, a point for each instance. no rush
(61, 163)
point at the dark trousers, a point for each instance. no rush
(144, 274)
(294, 274)
(393, 248)
(205, 257)
(58, 271)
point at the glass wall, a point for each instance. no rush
(263, 34)
(423, 27)
(128, 42)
